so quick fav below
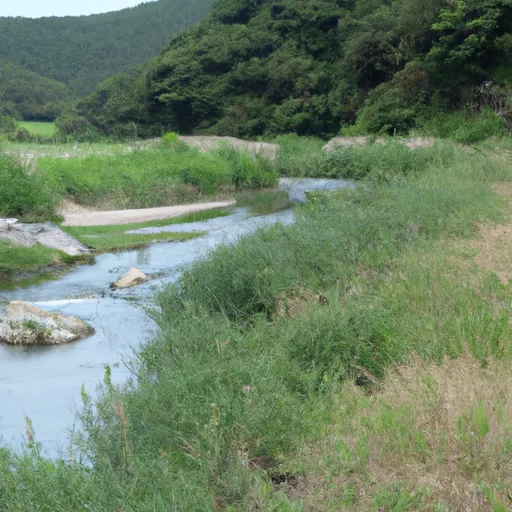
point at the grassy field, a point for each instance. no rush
(356, 360)
(39, 128)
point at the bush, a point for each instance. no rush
(77, 128)
(21, 135)
(8, 124)
(171, 141)
(170, 138)
(393, 107)
(23, 195)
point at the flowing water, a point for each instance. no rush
(44, 383)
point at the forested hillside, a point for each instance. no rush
(314, 66)
(81, 51)
(28, 95)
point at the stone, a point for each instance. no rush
(25, 324)
(133, 278)
(207, 143)
(349, 142)
(47, 234)
(8, 222)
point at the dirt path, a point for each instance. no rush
(144, 215)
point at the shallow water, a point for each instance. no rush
(44, 383)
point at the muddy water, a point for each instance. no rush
(44, 383)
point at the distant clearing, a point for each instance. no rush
(37, 128)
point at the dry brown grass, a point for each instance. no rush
(493, 246)
(296, 303)
(439, 433)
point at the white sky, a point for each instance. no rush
(39, 8)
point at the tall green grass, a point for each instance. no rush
(373, 161)
(366, 226)
(465, 127)
(24, 195)
(235, 384)
(297, 156)
(156, 177)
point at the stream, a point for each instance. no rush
(44, 383)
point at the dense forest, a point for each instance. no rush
(28, 95)
(81, 51)
(258, 67)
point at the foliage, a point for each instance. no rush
(465, 127)
(257, 68)
(24, 195)
(48, 60)
(76, 128)
(28, 95)
(170, 138)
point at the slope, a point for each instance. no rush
(81, 51)
(258, 67)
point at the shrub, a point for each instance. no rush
(77, 128)
(171, 141)
(170, 138)
(8, 124)
(393, 107)
(21, 134)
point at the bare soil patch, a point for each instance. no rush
(121, 217)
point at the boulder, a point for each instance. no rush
(25, 324)
(133, 278)
(349, 142)
(209, 143)
(46, 234)
(8, 222)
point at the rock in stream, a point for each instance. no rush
(24, 324)
(47, 234)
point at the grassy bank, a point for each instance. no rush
(271, 385)
(115, 238)
(32, 187)
(24, 266)
(154, 177)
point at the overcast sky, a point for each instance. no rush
(39, 8)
